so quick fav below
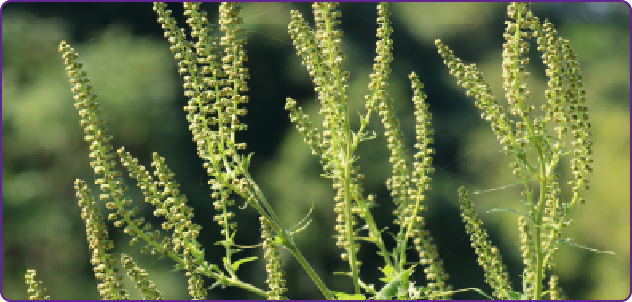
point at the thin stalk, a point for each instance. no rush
(346, 165)
(286, 238)
(310, 271)
(539, 276)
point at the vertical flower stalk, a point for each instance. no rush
(320, 50)
(528, 255)
(409, 182)
(109, 287)
(555, 291)
(378, 85)
(275, 280)
(36, 290)
(420, 177)
(107, 177)
(147, 287)
(488, 255)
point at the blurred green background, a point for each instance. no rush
(133, 73)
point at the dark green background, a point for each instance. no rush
(134, 75)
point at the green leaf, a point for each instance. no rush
(222, 281)
(345, 296)
(404, 284)
(246, 161)
(215, 268)
(387, 271)
(515, 296)
(178, 267)
(367, 288)
(241, 261)
(226, 263)
(509, 210)
(391, 288)
(480, 291)
(568, 242)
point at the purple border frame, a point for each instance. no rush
(4, 3)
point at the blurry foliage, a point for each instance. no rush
(134, 76)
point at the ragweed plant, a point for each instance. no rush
(564, 117)
(336, 142)
(215, 80)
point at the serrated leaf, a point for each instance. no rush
(387, 271)
(391, 288)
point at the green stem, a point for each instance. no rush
(346, 165)
(286, 240)
(374, 230)
(538, 229)
(234, 282)
(289, 244)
